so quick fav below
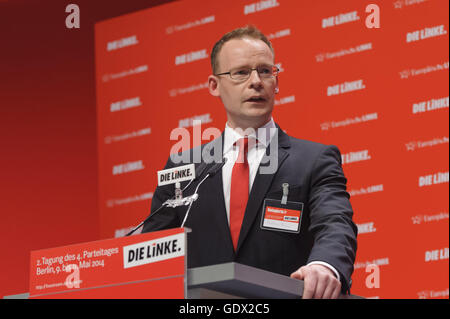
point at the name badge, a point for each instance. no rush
(282, 217)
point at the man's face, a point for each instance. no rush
(248, 103)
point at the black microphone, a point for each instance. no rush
(216, 167)
(198, 172)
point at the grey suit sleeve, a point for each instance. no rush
(331, 214)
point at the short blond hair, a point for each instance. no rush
(248, 31)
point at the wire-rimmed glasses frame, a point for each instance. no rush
(243, 74)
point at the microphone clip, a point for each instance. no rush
(181, 201)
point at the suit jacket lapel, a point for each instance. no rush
(261, 185)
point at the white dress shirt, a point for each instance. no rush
(254, 155)
(256, 151)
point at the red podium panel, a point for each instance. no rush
(151, 265)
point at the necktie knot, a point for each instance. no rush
(242, 144)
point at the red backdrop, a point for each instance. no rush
(48, 145)
(340, 83)
(48, 121)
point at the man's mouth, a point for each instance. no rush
(256, 99)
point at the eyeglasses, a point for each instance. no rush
(243, 74)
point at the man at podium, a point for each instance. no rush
(278, 203)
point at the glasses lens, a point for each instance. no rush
(240, 74)
(264, 71)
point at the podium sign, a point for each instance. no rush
(150, 265)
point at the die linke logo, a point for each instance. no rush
(433, 179)
(353, 157)
(176, 174)
(153, 251)
(425, 33)
(260, 6)
(366, 228)
(128, 167)
(125, 104)
(430, 105)
(340, 19)
(438, 254)
(204, 118)
(191, 57)
(122, 43)
(345, 87)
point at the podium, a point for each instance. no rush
(234, 280)
(151, 265)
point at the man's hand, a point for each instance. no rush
(320, 282)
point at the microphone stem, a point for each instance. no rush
(138, 226)
(190, 205)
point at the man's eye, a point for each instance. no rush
(265, 70)
(241, 72)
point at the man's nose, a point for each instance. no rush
(255, 78)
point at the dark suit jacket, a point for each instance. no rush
(316, 179)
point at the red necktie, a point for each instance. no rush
(239, 190)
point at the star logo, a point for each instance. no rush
(416, 219)
(325, 126)
(423, 294)
(404, 74)
(411, 146)
(173, 93)
(320, 57)
(398, 4)
(169, 30)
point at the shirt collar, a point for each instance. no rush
(263, 134)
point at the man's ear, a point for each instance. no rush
(213, 85)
